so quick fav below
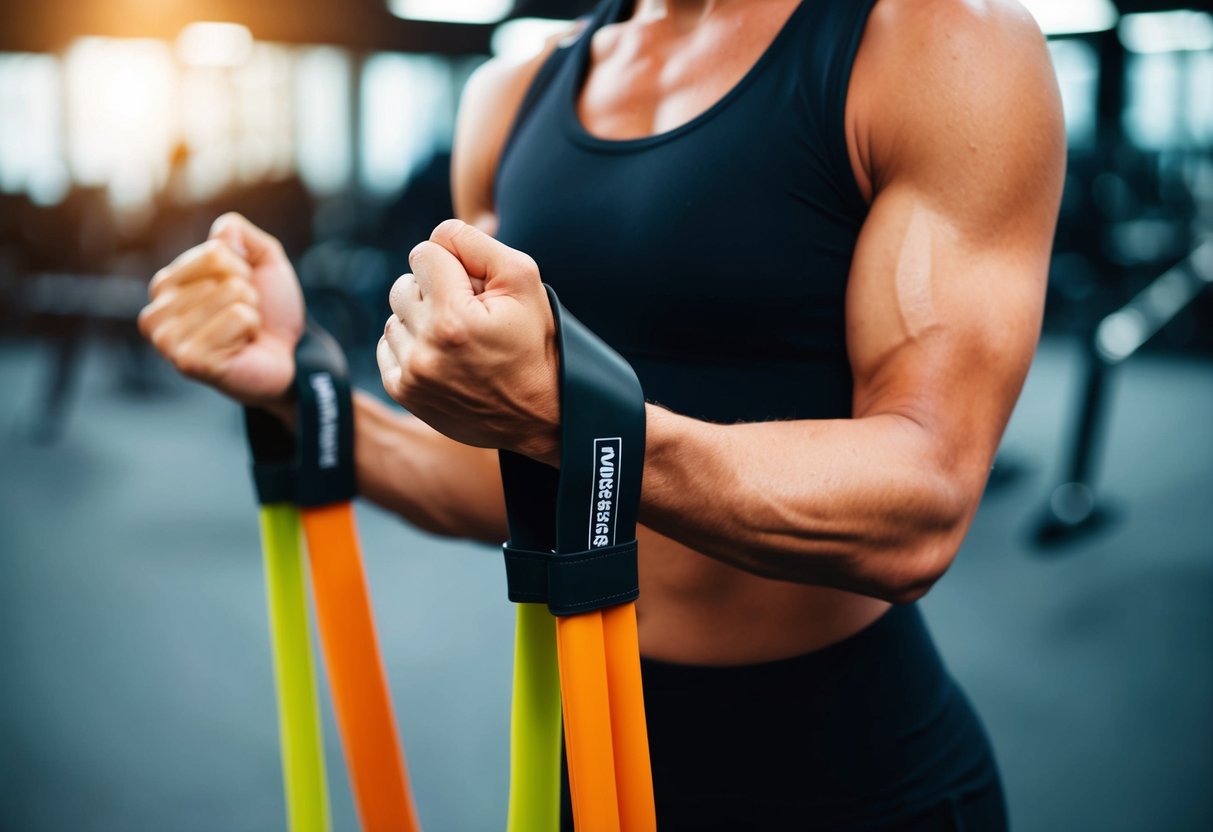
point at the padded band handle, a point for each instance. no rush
(273, 451)
(325, 426)
(314, 466)
(573, 531)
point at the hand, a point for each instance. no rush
(229, 312)
(471, 345)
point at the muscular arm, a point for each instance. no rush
(437, 484)
(956, 125)
(404, 465)
(955, 128)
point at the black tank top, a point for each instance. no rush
(713, 257)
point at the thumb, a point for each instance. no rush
(499, 266)
(246, 239)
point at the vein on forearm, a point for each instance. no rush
(855, 504)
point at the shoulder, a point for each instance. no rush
(939, 30)
(487, 108)
(937, 82)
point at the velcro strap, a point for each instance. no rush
(572, 583)
(592, 579)
(526, 574)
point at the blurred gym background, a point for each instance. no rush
(135, 680)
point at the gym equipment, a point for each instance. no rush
(299, 735)
(572, 548)
(1072, 509)
(570, 566)
(314, 470)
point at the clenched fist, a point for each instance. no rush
(471, 344)
(229, 312)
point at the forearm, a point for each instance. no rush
(410, 469)
(863, 505)
(435, 483)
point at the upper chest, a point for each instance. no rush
(647, 77)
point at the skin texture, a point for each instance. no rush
(762, 540)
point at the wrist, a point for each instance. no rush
(543, 446)
(284, 408)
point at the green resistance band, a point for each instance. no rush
(535, 724)
(299, 733)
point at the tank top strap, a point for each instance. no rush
(555, 68)
(826, 43)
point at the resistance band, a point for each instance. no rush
(299, 736)
(320, 479)
(572, 548)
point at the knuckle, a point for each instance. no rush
(246, 316)
(227, 217)
(420, 252)
(156, 285)
(250, 295)
(422, 366)
(211, 255)
(234, 289)
(523, 263)
(144, 321)
(393, 384)
(190, 360)
(449, 331)
(447, 229)
(400, 290)
(161, 338)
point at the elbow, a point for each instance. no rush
(926, 552)
(913, 582)
(913, 570)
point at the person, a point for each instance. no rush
(820, 232)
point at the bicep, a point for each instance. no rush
(941, 328)
(947, 284)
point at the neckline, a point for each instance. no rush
(580, 64)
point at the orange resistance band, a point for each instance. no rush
(580, 642)
(606, 737)
(355, 671)
(629, 731)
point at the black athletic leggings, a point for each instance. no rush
(868, 734)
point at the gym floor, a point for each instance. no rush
(135, 683)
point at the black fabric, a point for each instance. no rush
(713, 257)
(526, 574)
(868, 734)
(593, 579)
(324, 429)
(272, 447)
(573, 530)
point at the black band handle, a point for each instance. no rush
(273, 450)
(573, 531)
(315, 465)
